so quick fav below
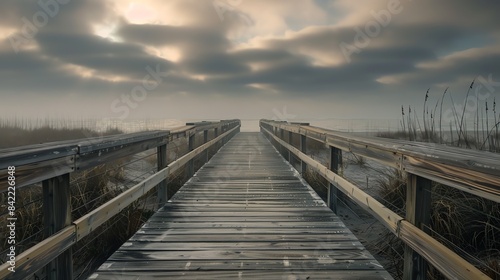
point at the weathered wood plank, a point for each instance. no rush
(287, 273)
(476, 172)
(238, 246)
(35, 258)
(36, 172)
(97, 217)
(243, 237)
(282, 230)
(445, 260)
(221, 254)
(223, 265)
(245, 214)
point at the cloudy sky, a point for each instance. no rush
(242, 58)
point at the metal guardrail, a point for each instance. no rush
(52, 163)
(476, 172)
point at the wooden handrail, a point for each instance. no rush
(475, 172)
(44, 162)
(397, 153)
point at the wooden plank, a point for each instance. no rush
(220, 254)
(36, 172)
(287, 273)
(418, 212)
(190, 167)
(236, 217)
(243, 237)
(468, 180)
(261, 224)
(241, 265)
(241, 208)
(35, 163)
(57, 216)
(36, 153)
(445, 260)
(238, 246)
(476, 172)
(387, 217)
(268, 230)
(36, 257)
(303, 148)
(161, 157)
(243, 214)
(335, 167)
(48, 161)
(97, 217)
(96, 155)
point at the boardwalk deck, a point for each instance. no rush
(245, 215)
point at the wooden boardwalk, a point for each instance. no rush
(245, 215)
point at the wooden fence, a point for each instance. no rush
(52, 163)
(475, 172)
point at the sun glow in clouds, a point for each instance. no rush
(139, 13)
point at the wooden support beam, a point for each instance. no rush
(303, 148)
(190, 167)
(418, 213)
(205, 140)
(161, 155)
(57, 216)
(335, 166)
(451, 265)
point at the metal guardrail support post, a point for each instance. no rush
(418, 212)
(335, 166)
(161, 155)
(303, 148)
(57, 215)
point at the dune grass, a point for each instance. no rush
(467, 224)
(472, 124)
(89, 189)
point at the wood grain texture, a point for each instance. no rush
(244, 215)
(476, 172)
(35, 163)
(89, 222)
(35, 258)
(445, 260)
(41, 162)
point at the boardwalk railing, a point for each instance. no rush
(475, 172)
(52, 163)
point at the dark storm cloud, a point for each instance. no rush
(99, 54)
(74, 16)
(204, 51)
(191, 37)
(308, 61)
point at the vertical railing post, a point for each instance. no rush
(216, 134)
(282, 137)
(57, 215)
(335, 166)
(290, 158)
(418, 212)
(303, 149)
(161, 155)
(205, 140)
(190, 148)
